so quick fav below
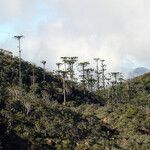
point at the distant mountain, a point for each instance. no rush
(138, 71)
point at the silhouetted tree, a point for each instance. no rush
(89, 78)
(19, 47)
(64, 60)
(71, 61)
(58, 67)
(103, 66)
(83, 66)
(43, 62)
(97, 72)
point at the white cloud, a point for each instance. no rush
(115, 30)
(12, 9)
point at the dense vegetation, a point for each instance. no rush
(34, 117)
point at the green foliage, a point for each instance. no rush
(34, 118)
(54, 121)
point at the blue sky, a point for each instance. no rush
(5, 32)
(114, 30)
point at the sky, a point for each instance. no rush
(115, 30)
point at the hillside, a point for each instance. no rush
(133, 91)
(34, 117)
(38, 120)
(52, 87)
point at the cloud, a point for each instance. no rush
(115, 30)
(11, 10)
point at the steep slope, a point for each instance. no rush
(134, 91)
(51, 126)
(52, 88)
(129, 112)
(34, 118)
(132, 122)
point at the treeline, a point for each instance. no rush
(41, 82)
(111, 86)
(32, 115)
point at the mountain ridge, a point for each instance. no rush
(138, 72)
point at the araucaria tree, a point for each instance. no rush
(64, 60)
(70, 62)
(97, 72)
(115, 76)
(83, 66)
(89, 78)
(19, 47)
(103, 73)
(44, 63)
(58, 67)
(64, 74)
